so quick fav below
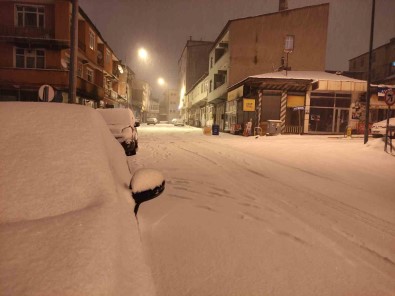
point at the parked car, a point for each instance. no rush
(179, 122)
(122, 125)
(67, 222)
(379, 128)
(173, 121)
(152, 120)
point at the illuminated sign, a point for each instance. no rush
(248, 104)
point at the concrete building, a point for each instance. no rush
(125, 88)
(168, 106)
(153, 108)
(255, 45)
(383, 64)
(35, 50)
(192, 64)
(199, 113)
(382, 76)
(141, 94)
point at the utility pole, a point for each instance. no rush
(73, 53)
(366, 134)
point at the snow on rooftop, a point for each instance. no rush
(308, 75)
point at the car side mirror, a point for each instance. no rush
(146, 184)
(136, 124)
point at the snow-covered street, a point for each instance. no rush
(285, 215)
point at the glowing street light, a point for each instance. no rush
(143, 54)
(161, 81)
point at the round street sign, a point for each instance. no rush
(389, 97)
(46, 93)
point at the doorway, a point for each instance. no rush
(340, 120)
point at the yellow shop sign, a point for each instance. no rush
(248, 104)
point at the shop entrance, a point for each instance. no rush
(340, 120)
(328, 120)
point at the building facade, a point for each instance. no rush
(192, 64)
(168, 106)
(35, 50)
(382, 76)
(255, 45)
(141, 94)
(383, 64)
(308, 102)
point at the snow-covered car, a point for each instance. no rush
(122, 124)
(179, 122)
(173, 121)
(152, 120)
(67, 225)
(379, 128)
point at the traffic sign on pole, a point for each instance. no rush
(46, 93)
(389, 97)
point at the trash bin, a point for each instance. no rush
(273, 127)
(215, 129)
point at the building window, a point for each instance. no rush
(211, 62)
(89, 74)
(80, 71)
(211, 85)
(30, 16)
(289, 43)
(92, 38)
(30, 58)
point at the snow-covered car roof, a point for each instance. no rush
(118, 116)
(65, 205)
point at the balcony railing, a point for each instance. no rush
(109, 93)
(88, 89)
(31, 32)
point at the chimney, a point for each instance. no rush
(282, 5)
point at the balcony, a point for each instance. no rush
(32, 36)
(28, 32)
(110, 94)
(89, 90)
(219, 94)
(34, 77)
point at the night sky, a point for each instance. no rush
(164, 26)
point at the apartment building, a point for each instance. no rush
(192, 64)
(168, 105)
(141, 93)
(198, 111)
(153, 108)
(255, 45)
(383, 64)
(35, 50)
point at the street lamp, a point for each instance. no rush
(143, 54)
(161, 81)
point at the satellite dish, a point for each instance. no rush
(64, 63)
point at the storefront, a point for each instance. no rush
(305, 102)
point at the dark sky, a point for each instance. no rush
(163, 27)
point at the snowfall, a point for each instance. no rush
(281, 215)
